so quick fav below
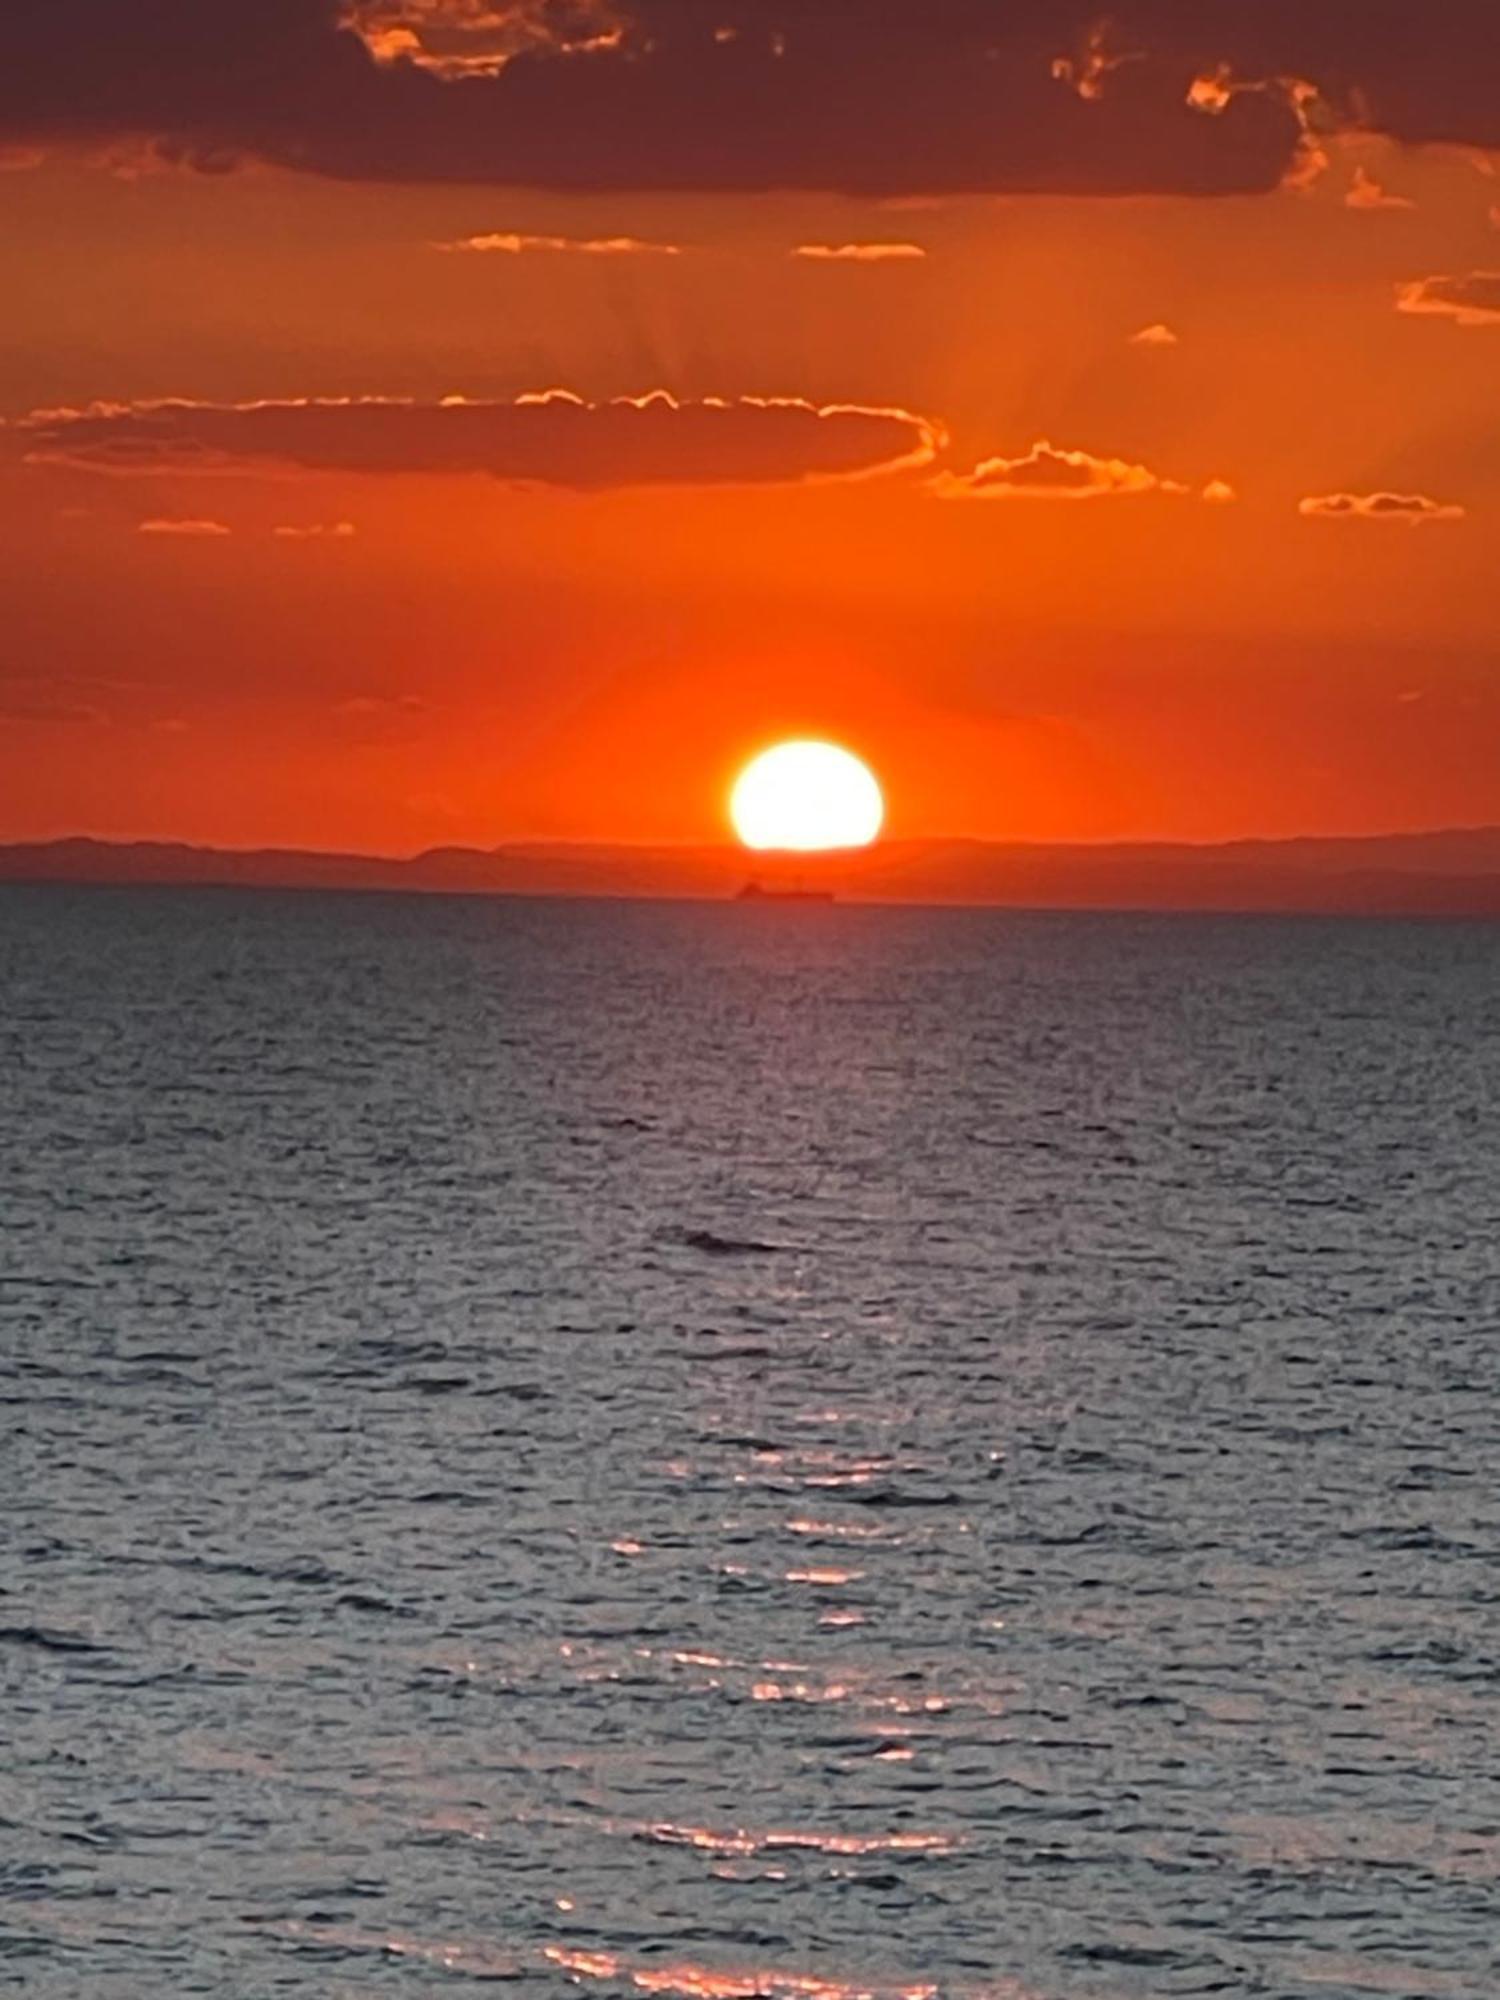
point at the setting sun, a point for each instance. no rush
(806, 796)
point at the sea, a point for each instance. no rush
(748, 1452)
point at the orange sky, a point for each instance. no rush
(490, 622)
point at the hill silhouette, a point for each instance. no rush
(1447, 873)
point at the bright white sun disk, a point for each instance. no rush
(806, 796)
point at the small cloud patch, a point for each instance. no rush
(1472, 298)
(515, 244)
(1047, 472)
(860, 253)
(1416, 509)
(188, 530)
(316, 531)
(1365, 192)
(38, 707)
(1154, 336)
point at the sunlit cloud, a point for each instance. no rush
(516, 245)
(193, 530)
(1154, 336)
(1215, 92)
(1471, 299)
(1212, 92)
(1047, 472)
(1365, 192)
(457, 39)
(860, 253)
(1415, 509)
(549, 438)
(330, 531)
(1093, 61)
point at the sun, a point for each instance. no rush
(806, 796)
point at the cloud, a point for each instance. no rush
(190, 530)
(1366, 192)
(888, 97)
(20, 706)
(332, 531)
(1154, 336)
(1472, 299)
(1219, 493)
(860, 253)
(382, 718)
(458, 39)
(1413, 508)
(1048, 473)
(381, 704)
(1217, 90)
(550, 439)
(574, 246)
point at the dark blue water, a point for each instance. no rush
(722, 1452)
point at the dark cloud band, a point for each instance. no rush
(867, 96)
(555, 439)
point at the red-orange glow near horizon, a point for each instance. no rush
(574, 480)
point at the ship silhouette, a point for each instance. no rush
(756, 891)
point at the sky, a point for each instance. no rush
(460, 421)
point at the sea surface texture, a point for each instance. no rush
(780, 1453)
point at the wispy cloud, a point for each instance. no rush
(1366, 192)
(331, 531)
(1224, 88)
(458, 39)
(190, 530)
(38, 705)
(1416, 509)
(1471, 298)
(860, 253)
(516, 244)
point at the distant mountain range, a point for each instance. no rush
(1453, 873)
